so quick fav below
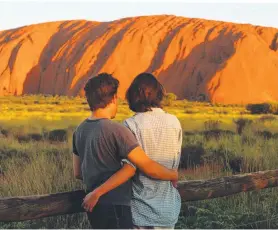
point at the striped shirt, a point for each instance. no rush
(154, 202)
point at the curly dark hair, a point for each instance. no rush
(100, 90)
(144, 93)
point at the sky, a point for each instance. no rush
(19, 13)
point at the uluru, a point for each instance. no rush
(196, 59)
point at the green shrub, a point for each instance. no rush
(241, 124)
(191, 156)
(169, 99)
(59, 135)
(122, 101)
(258, 108)
(274, 108)
(263, 108)
(202, 97)
(212, 124)
(264, 134)
(216, 134)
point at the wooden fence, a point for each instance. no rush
(34, 207)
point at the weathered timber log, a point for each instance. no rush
(34, 207)
(226, 186)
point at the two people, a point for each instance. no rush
(129, 169)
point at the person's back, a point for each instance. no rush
(95, 142)
(154, 202)
(99, 146)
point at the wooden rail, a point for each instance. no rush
(34, 207)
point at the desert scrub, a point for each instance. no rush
(263, 108)
(38, 165)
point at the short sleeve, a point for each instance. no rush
(74, 149)
(127, 124)
(125, 140)
(126, 161)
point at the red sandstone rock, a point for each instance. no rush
(193, 58)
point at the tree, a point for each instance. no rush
(169, 99)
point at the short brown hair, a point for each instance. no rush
(144, 93)
(100, 90)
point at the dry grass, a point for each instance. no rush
(30, 166)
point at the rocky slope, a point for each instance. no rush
(195, 59)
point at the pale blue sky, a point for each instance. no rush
(18, 13)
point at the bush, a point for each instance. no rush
(35, 136)
(4, 132)
(264, 134)
(202, 97)
(59, 135)
(191, 155)
(258, 108)
(169, 99)
(122, 101)
(263, 108)
(235, 164)
(212, 124)
(241, 124)
(248, 140)
(28, 137)
(23, 138)
(274, 108)
(217, 133)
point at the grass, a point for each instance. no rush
(210, 143)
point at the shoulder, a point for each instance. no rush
(79, 127)
(172, 119)
(130, 122)
(116, 127)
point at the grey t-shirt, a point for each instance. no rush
(102, 145)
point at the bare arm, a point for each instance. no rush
(120, 177)
(143, 162)
(151, 168)
(77, 167)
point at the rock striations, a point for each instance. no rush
(194, 58)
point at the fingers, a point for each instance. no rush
(91, 208)
(90, 201)
(88, 206)
(85, 204)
